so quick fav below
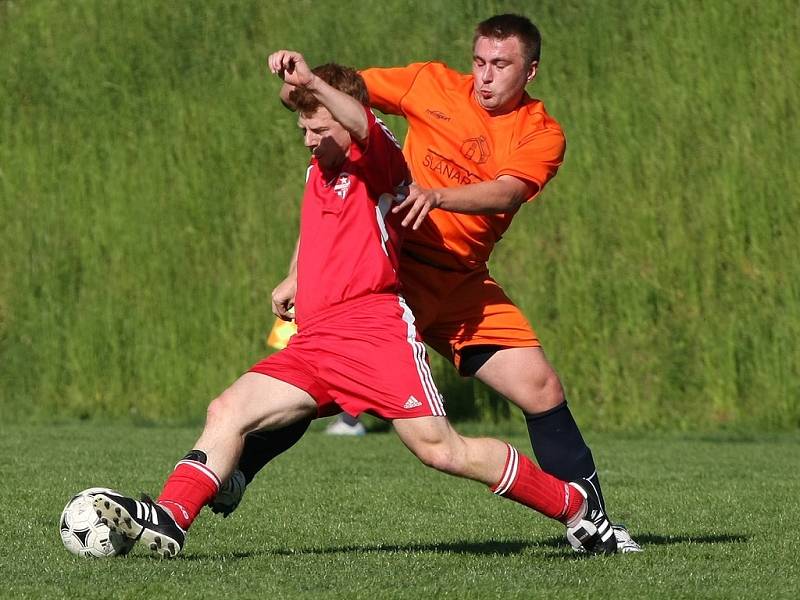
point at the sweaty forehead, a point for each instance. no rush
(495, 48)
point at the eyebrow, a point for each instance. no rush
(493, 59)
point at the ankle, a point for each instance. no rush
(177, 512)
(577, 506)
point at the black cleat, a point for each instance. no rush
(592, 532)
(143, 521)
(229, 495)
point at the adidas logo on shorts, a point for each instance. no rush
(412, 403)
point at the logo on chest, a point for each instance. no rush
(342, 185)
(437, 114)
(476, 149)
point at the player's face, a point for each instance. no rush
(501, 73)
(328, 141)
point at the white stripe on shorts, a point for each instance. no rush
(423, 368)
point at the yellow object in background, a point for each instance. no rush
(280, 334)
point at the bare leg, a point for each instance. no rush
(490, 461)
(253, 402)
(434, 441)
(526, 378)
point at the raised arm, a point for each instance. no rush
(291, 67)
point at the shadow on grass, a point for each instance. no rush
(647, 539)
(505, 548)
(650, 538)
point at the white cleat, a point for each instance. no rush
(625, 543)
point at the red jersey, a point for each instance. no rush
(349, 238)
(453, 141)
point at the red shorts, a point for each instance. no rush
(361, 356)
(455, 310)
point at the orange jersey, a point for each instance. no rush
(453, 141)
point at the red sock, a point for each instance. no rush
(524, 482)
(187, 490)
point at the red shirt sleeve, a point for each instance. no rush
(381, 159)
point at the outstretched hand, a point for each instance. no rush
(291, 67)
(419, 202)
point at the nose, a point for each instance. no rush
(486, 73)
(310, 139)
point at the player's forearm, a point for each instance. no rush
(502, 195)
(293, 262)
(345, 109)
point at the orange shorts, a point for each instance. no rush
(455, 310)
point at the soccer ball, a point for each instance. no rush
(84, 534)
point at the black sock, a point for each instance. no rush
(559, 447)
(260, 447)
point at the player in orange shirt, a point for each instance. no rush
(479, 147)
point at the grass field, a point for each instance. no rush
(360, 518)
(149, 187)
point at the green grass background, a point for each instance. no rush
(149, 187)
(361, 518)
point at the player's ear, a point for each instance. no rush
(531, 71)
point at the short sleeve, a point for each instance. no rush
(536, 159)
(381, 159)
(388, 87)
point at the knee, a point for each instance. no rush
(542, 392)
(440, 456)
(551, 391)
(222, 410)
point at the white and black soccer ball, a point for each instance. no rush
(84, 534)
